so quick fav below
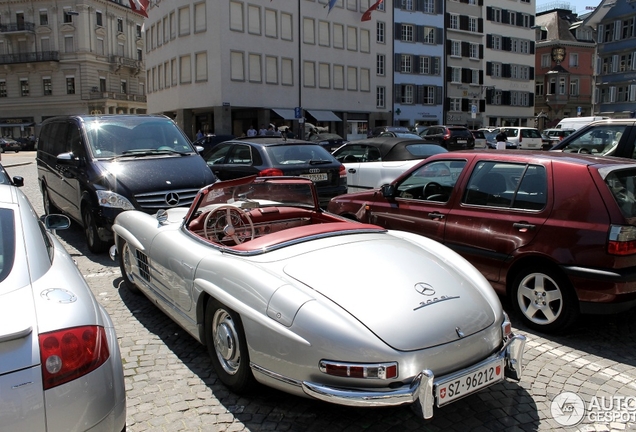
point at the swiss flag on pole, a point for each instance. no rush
(139, 6)
(367, 15)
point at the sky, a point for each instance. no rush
(579, 6)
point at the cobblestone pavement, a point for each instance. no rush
(171, 387)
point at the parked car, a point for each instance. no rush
(277, 156)
(210, 140)
(491, 141)
(9, 144)
(329, 141)
(480, 139)
(60, 364)
(450, 137)
(26, 143)
(393, 134)
(91, 168)
(555, 249)
(372, 162)
(256, 284)
(5, 179)
(556, 135)
(603, 138)
(376, 131)
(578, 122)
(526, 138)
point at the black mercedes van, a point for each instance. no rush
(93, 167)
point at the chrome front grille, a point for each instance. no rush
(153, 201)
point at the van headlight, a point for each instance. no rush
(111, 199)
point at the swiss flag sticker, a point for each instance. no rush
(442, 393)
(498, 370)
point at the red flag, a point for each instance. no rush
(367, 15)
(139, 6)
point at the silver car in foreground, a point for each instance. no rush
(60, 365)
(310, 303)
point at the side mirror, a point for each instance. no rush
(54, 222)
(18, 181)
(388, 190)
(199, 149)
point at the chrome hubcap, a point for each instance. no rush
(225, 342)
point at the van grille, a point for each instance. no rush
(153, 201)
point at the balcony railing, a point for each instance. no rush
(30, 57)
(125, 61)
(117, 96)
(17, 27)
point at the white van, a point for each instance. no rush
(577, 122)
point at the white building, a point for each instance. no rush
(509, 58)
(223, 66)
(68, 57)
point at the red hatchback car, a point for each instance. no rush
(557, 247)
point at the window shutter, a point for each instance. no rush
(531, 73)
(416, 64)
(489, 94)
(599, 33)
(505, 97)
(489, 13)
(506, 43)
(488, 68)
(465, 49)
(466, 75)
(447, 20)
(489, 41)
(447, 104)
(481, 77)
(463, 22)
(505, 16)
(397, 31)
(439, 36)
(505, 70)
(465, 105)
(397, 92)
(482, 105)
(531, 99)
(438, 95)
(481, 52)
(397, 62)
(480, 25)
(532, 44)
(531, 20)
(449, 47)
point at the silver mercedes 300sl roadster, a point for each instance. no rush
(310, 303)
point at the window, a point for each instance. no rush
(46, 86)
(496, 97)
(429, 95)
(3, 88)
(456, 75)
(456, 48)
(380, 95)
(407, 5)
(379, 29)
(380, 61)
(407, 94)
(496, 70)
(123, 87)
(70, 85)
(628, 28)
(69, 45)
(24, 87)
(512, 18)
(406, 63)
(472, 25)
(425, 65)
(545, 60)
(552, 86)
(496, 15)
(474, 51)
(456, 104)
(120, 25)
(561, 86)
(98, 18)
(68, 18)
(407, 33)
(538, 88)
(138, 31)
(574, 59)
(429, 35)
(574, 87)
(474, 76)
(139, 54)
(429, 6)
(454, 22)
(44, 17)
(496, 42)
(102, 84)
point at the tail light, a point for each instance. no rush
(69, 354)
(270, 172)
(342, 171)
(360, 370)
(506, 327)
(447, 135)
(622, 240)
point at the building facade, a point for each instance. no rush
(509, 63)
(615, 93)
(464, 102)
(418, 33)
(61, 57)
(223, 68)
(564, 67)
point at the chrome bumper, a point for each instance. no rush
(421, 390)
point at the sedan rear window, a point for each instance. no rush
(298, 154)
(7, 243)
(425, 149)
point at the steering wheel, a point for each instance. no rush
(226, 222)
(583, 150)
(433, 188)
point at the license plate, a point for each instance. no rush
(316, 177)
(463, 385)
(461, 141)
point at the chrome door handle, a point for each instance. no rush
(351, 170)
(523, 227)
(435, 216)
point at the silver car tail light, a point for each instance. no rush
(360, 370)
(71, 353)
(622, 240)
(506, 327)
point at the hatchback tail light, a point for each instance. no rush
(71, 353)
(447, 135)
(342, 171)
(360, 370)
(622, 240)
(270, 172)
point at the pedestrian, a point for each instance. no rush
(262, 130)
(251, 131)
(270, 131)
(501, 139)
(199, 134)
(289, 133)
